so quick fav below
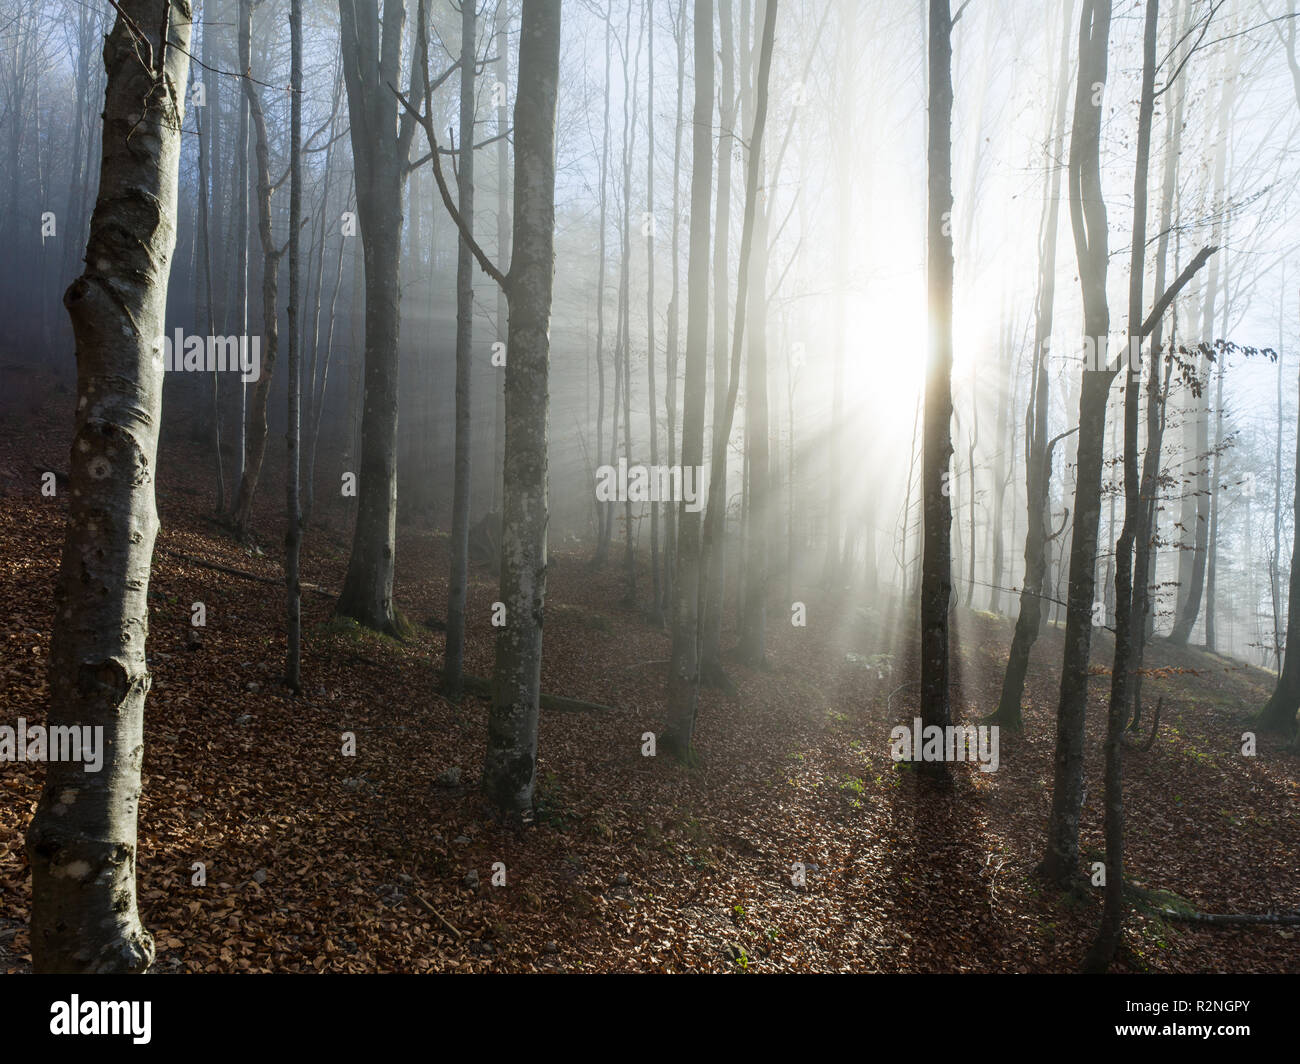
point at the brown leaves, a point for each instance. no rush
(635, 863)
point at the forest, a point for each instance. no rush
(657, 486)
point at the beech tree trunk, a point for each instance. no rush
(255, 417)
(1114, 906)
(458, 579)
(1196, 512)
(683, 671)
(753, 620)
(656, 592)
(1088, 220)
(715, 559)
(1038, 464)
(674, 309)
(82, 839)
(1279, 712)
(604, 510)
(510, 766)
(380, 150)
(293, 430)
(936, 561)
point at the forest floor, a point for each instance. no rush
(316, 861)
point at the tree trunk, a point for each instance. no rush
(255, 417)
(458, 579)
(1279, 712)
(715, 560)
(293, 430)
(206, 264)
(683, 674)
(605, 511)
(1088, 220)
(1157, 394)
(370, 67)
(1114, 907)
(655, 591)
(510, 765)
(674, 311)
(753, 622)
(936, 565)
(630, 101)
(1029, 619)
(1196, 513)
(503, 243)
(82, 839)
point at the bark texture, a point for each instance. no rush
(82, 840)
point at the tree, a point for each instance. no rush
(936, 562)
(1112, 919)
(711, 671)
(206, 263)
(748, 273)
(380, 150)
(656, 596)
(1088, 222)
(623, 352)
(293, 431)
(458, 580)
(82, 839)
(1279, 712)
(605, 510)
(683, 669)
(510, 766)
(1197, 504)
(255, 418)
(673, 329)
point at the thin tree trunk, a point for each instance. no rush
(605, 513)
(711, 672)
(1088, 220)
(503, 242)
(753, 622)
(293, 431)
(1029, 619)
(1114, 907)
(683, 674)
(206, 263)
(936, 565)
(1279, 712)
(458, 579)
(656, 598)
(674, 310)
(255, 428)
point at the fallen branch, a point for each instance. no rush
(242, 573)
(1158, 903)
(478, 685)
(451, 928)
(1228, 919)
